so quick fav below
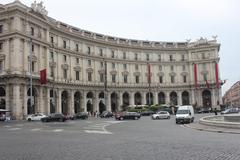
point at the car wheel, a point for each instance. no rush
(61, 120)
(168, 117)
(29, 119)
(157, 118)
(121, 118)
(136, 118)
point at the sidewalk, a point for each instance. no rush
(207, 128)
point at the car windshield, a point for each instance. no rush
(182, 111)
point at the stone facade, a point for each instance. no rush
(77, 62)
(232, 96)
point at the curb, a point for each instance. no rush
(211, 130)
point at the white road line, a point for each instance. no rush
(57, 130)
(14, 129)
(19, 125)
(36, 129)
(7, 126)
(98, 132)
(92, 127)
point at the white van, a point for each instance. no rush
(185, 114)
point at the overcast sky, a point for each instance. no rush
(158, 20)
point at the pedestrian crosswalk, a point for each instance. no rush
(88, 127)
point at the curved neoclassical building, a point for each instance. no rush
(83, 67)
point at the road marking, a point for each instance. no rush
(19, 125)
(7, 126)
(14, 129)
(98, 132)
(57, 130)
(36, 129)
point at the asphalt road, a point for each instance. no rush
(108, 139)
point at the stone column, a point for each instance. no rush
(25, 99)
(83, 101)
(155, 97)
(193, 101)
(144, 98)
(7, 97)
(213, 95)
(95, 102)
(132, 98)
(47, 102)
(179, 94)
(17, 107)
(59, 100)
(109, 108)
(120, 101)
(40, 100)
(167, 97)
(71, 103)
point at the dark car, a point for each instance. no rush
(106, 114)
(80, 115)
(127, 115)
(54, 117)
(204, 110)
(147, 113)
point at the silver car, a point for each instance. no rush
(161, 115)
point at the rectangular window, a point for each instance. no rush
(112, 54)
(64, 44)
(77, 60)
(170, 57)
(136, 56)
(77, 48)
(32, 47)
(124, 55)
(101, 52)
(172, 68)
(203, 56)
(1, 46)
(160, 79)
(136, 66)
(65, 74)
(1, 66)
(101, 77)
(1, 28)
(183, 58)
(52, 40)
(32, 31)
(204, 76)
(77, 75)
(137, 79)
(89, 50)
(125, 78)
(102, 64)
(114, 78)
(147, 57)
(65, 58)
(51, 56)
(89, 62)
(159, 57)
(160, 68)
(51, 72)
(125, 66)
(89, 76)
(113, 65)
(184, 79)
(172, 79)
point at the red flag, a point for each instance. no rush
(216, 74)
(43, 76)
(149, 73)
(195, 76)
(207, 84)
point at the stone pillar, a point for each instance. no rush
(144, 98)
(109, 108)
(132, 98)
(71, 103)
(17, 107)
(155, 97)
(7, 97)
(193, 101)
(40, 101)
(59, 100)
(167, 97)
(47, 102)
(95, 102)
(179, 94)
(213, 95)
(120, 101)
(83, 101)
(25, 99)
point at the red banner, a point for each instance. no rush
(149, 73)
(216, 74)
(195, 76)
(43, 76)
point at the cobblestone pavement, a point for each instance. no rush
(143, 139)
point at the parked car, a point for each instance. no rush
(147, 113)
(230, 111)
(161, 115)
(35, 117)
(204, 110)
(106, 114)
(127, 115)
(80, 115)
(54, 117)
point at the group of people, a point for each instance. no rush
(3, 117)
(94, 114)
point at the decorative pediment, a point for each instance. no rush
(65, 66)
(172, 74)
(125, 73)
(160, 74)
(184, 73)
(101, 71)
(2, 56)
(34, 58)
(77, 68)
(113, 72)
(89, 70)
(136, 73)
